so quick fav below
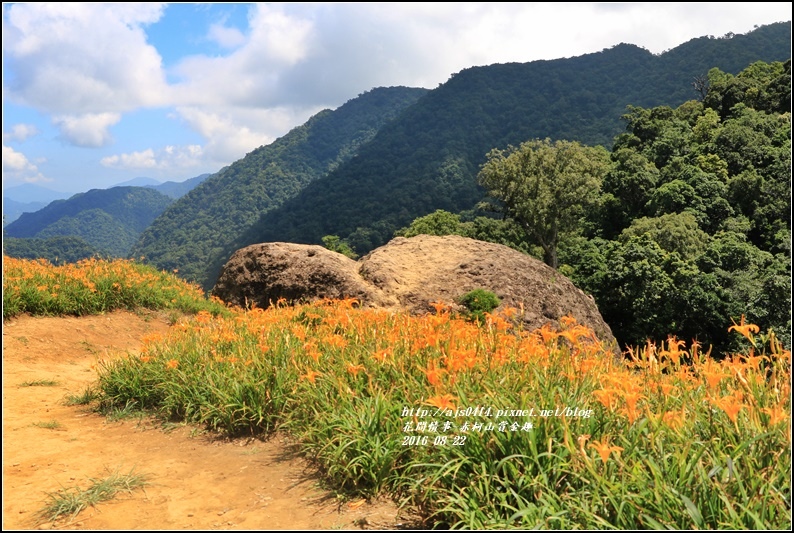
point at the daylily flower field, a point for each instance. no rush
(561, 433)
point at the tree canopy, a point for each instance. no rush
(545, 187)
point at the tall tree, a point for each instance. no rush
(545, 187)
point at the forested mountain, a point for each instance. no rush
(196, 234)
(110, 220)
(428, 158)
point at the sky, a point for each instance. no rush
(98, 94)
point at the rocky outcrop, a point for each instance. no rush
(408, 274)
(261, 274)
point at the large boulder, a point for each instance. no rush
(408, 274)
(262, 274)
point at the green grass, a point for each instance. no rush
(70, 501)
(88, 395)
(96, 286)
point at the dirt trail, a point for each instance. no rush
(196, 481)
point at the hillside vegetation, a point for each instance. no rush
(429, 157)
(197, 234)
(473, 424)
(109, 220)
(57, 250)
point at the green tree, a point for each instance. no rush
(439, 222)
(335, 244)
(673, 232)
(546, 187)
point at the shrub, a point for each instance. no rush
(478, 302)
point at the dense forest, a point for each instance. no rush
(109, 220)
(691, 225)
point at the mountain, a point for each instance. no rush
(173, 189)
(110, 220)
(428, 158)
(12, 209)
(177, 189)
(27, 198)
(196, 234)
(29, 193)
(139, 182)
(426, 155)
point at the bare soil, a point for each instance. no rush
(197, 481)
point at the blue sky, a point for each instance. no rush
(97, 94)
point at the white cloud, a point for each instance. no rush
(225, 37)
(17, 167)
(89, 130)
(231, 132)
(143, 159)
(86, 64)
(75, 58)
(170, 158)
(20, 132)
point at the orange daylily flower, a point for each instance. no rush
(354, 369)
(632, 398)
(674, 350)
(604, 449)
(440, 307)
(753, 361)
(674, 419)
(567, 321)
(730, 404)
(434, 374)
(745, 329)
(442, 402)
(509, 312)
(776, 415)
(311, 375)
(605, 396)
(713, 378)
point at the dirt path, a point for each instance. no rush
(196, 482)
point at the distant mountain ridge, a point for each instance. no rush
(138, 182)
(29, 198)
(30, 192)
(177, 189)
(110, 220)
